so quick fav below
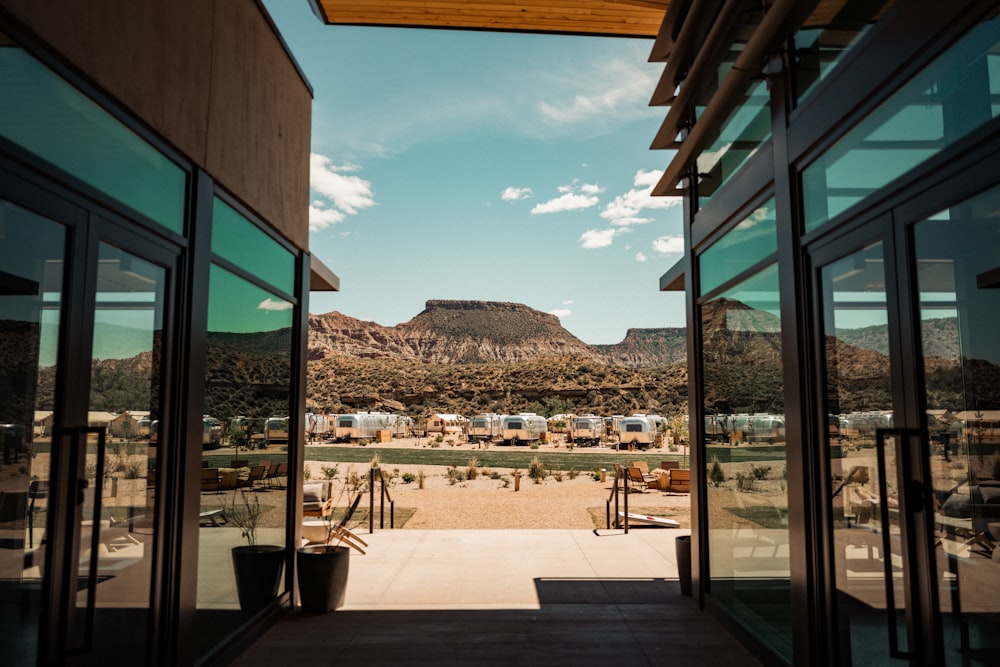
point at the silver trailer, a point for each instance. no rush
(523, 428)
(586, 430)
(637, 431)
(366, 425)
(485, 427)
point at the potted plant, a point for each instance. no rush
(323, 568)
(257, 566)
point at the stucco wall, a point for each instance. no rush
(210, 76)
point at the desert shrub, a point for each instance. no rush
(534, 445)
(495, 475)
(409, 478)
(760, 471)
(452, 474)
(574, 473)
(449, 442)
(536, 470)
(306, 473)
(505, 481)
(439, 438)
(557, 475)
(330, 472)
(435, 444)
(363, 442)
(133, 468)
(473, 469)
(716, 476)
(745, 481)
(570, 446)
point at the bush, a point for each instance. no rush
(536, 470)
(409, 478)
(574, 473)
(473, 471)
(330, 472)
(495, 475)
(745, 481)
(760, 472)
(716, 476)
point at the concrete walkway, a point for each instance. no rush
(507, 597)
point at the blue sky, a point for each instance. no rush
(476, 165)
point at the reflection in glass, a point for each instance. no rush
(858, 404)
(124, 395)
(247, 392)
(748, 243)
(745, 447)
(241, 242)
(830, 33)
(947, 100)
(31, 275)
(958, 270)
(45, 115)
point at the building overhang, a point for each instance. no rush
(321, 278)
(609, 18)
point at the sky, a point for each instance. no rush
(488, 166)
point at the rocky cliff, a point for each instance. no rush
(450, 332)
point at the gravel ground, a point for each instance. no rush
(489, 502)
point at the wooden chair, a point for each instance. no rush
(669, 465)
(210, 480)
(239, 463)
(680, 480)
(639, 481)
(275, 472)
(256, 475)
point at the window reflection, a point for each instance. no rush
(743, 404)
(247, 400)
(958, 265)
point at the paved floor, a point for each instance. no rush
(507, 597)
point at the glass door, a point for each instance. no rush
(957, 257)
(119, 455)
(82, 325)
(861, 460)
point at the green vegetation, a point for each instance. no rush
(506, 457)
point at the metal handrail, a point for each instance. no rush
(383, 495)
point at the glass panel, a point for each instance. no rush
(859, 401)
(958, 276)
(832, 31)
(247, 392)
(31, 276)
(747, 127)
(124, 391)
(745, 446)
(243, 243)
(50, 118)
(950, 98)
(748, 243)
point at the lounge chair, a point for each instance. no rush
(639, 481)
(679, 480)
(316, 498)
(256, 475)
(275, 472)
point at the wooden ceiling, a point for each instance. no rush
(616, 18)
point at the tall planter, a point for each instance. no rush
(258, 575)
(322, 577)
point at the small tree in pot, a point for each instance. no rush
(323, 568)
(257, 566)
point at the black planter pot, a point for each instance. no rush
(258, 575)
(322, 577)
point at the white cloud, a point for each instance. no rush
(640, 257)
(274, 304)
(575, 196)
(615, 89)
(567, 202)
(568, 302)
(598, 238)
(561, 312)
(513, 194)
(625, 209)
(669, 245)
(340, 194)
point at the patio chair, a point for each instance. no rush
(679, 481)
(275, 472)
(210, 480)
(256, 475)
(239, 463)
(639, 481)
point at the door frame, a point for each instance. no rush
(87, 225)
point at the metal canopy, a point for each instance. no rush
(613, 18)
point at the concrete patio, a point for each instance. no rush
(507, 597)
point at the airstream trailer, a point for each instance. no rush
(638, 431)
(211, 432)
(366, 425)
(523, 428)
(276, 430)
(586, 430)
(485, 427)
